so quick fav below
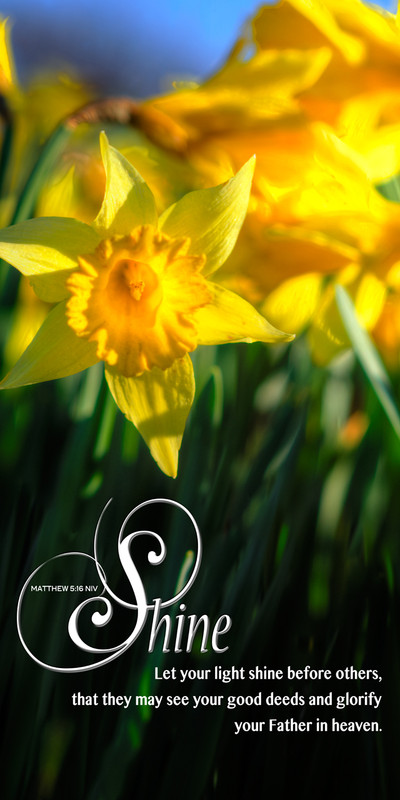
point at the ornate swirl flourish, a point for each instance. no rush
(141, 606)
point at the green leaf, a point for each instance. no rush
(368, 358)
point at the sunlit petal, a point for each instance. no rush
(229, 318)
(292, 304)
(55, 352)
(47, 247)
(212, 218)
(158, 403)
(128, 201)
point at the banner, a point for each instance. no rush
(199, 425)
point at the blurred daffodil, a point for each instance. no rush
(313, 89)
(250, 105)
(327, 132)
(359, 91)
(330, 227)
(33, 111)
(300, 61)
(133, 290)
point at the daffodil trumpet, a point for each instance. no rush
(133, 290)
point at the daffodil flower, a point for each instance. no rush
(132, 290)
(358, 91)
(299, 61)
(332, 227)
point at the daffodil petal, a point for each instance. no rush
(229, 318)
(7, 69)
(128, 201)
(309, 22)
(212, 218)
(46, 249)
(269, 74)
(55, 352)
(370, 299)
(292, 304)
(158, 403)
(57, 198)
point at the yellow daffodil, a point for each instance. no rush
(363, 40)
(359, 90)
(335, 62)
(76, 189)
(315, 216)
(250, 105)
(331, 226)
(132, 290)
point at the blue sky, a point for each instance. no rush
(121, 41)
(132, 46)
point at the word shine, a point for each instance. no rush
(165, 626)
(177, 632)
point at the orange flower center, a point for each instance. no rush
(135, 297)
(135, 281)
